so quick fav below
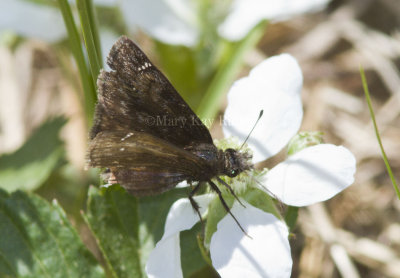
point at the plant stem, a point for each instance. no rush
(77, 52)
(371, 111)
(90, 35)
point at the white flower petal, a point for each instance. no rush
(266, 254)
(312, 175)
(273, 86)
(182, 216)
(245, 14)
(170, 21)
(165, 259)
(32, 20)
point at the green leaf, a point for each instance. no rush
(30, 166)
(37, 240)
(216, 212)
(113, 218)
(259, 199)
(291, 217)
(191, 257)
(127, 228)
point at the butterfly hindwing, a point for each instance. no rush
(147, 181)
(136, 96)
(142, 163)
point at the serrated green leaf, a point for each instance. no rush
(37, 240)
(28, 167)
(113, 218)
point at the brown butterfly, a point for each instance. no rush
(147, 136)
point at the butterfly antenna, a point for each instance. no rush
(259, 117)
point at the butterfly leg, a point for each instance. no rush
(194, 204)
(230, 190)
(228, 210)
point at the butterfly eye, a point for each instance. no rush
(234, 172)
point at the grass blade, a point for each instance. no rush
(88, 84)
(385, 159)
(90, 35)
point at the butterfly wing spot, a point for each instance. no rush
(145, 66)
(127, 136)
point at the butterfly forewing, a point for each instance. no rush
(136, 96)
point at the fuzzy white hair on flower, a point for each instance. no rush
(312, 174)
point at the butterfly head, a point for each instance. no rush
(236, 162)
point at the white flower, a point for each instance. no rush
(170, 21)
(32, 20)
(179, 21)
(265, 254)
(40, 21)
(245, 14)
(311, 175)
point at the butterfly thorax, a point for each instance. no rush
(210, 154)
(227, 162)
